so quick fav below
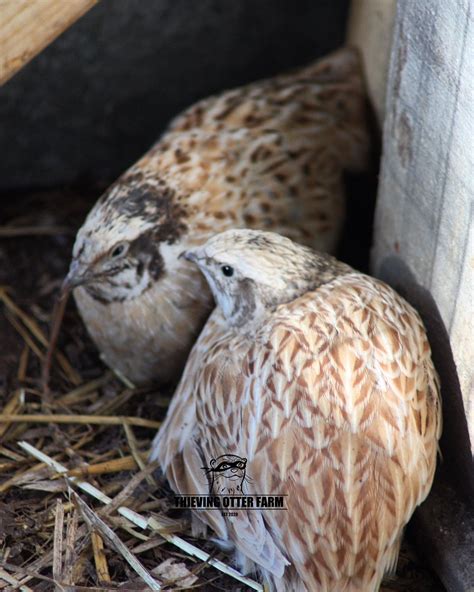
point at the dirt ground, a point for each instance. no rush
(42, 540)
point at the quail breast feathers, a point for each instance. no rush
(269, 155)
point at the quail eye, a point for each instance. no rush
(118, 250)
(227, 270)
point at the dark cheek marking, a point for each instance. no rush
(156, 266)
(145, 250)
(98, 295)
(244, 304)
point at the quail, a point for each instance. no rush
(270, 155)
(320, 377)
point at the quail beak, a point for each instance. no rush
(76, 276)
(192, 255)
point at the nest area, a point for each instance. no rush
(56, 533)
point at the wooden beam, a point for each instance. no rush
(28, 26)
(370, 28)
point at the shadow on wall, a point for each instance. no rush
(455, 443)
(97, 98)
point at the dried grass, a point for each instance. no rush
(51, 537)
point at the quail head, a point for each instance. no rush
(270, 155)
(321, 378)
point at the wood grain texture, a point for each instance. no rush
(27, 27)
(423, 244)
(424, 218)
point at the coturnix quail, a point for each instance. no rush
(270, 155)
(321, 378)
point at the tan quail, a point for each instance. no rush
(270, 155)
(321, 379)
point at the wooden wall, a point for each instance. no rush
(423, 230)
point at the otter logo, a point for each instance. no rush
(227, 478)
(227, 475)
